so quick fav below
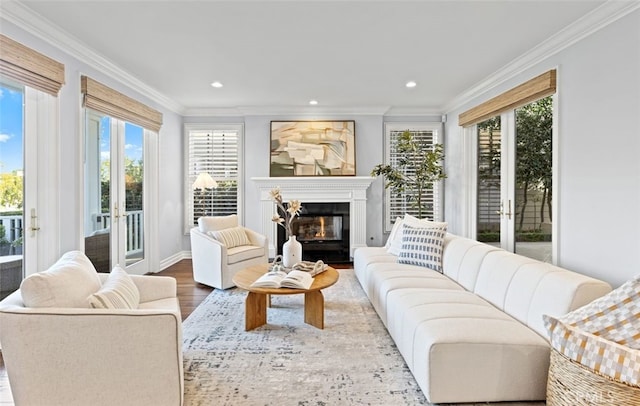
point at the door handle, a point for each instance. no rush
(34, 223)
(501, 211)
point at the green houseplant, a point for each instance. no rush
(418, 167)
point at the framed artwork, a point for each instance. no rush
(313, 148)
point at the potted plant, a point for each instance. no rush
(418, 167)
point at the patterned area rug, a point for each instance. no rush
(353, 361)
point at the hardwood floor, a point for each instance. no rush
(190, 295)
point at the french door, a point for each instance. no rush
(116, 194)
(28, 209)
(514, 199)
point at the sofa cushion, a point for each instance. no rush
(462, 349)
(67, 283)
(231, 237)
(118, 292)
(422, 247)
(243, 252)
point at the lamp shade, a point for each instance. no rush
(204, 181)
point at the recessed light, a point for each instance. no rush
(216, 84)
(411, 84)
(313, 102)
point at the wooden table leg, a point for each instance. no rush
(255, 311)
(314, 309)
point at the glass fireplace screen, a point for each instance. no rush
(318, 228)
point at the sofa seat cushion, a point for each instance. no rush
(386, 278)
(243, 253)
(463, 349)
(170, 303)
(67, 283)
(365, 256)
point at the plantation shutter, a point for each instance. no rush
(213, 152)
(400, 204)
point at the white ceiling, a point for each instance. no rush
(277, 54)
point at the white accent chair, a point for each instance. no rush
(213, 263)
(70, 354)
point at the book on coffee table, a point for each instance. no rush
(280, 279)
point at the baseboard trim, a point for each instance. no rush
(175, 258)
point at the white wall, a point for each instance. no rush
(70, 194)
(599, 152)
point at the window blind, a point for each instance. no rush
(29, 67)
(399, 204)
(214, 152)
(102, 98)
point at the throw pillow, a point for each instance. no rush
(394, 234)
(231, 237)
(422, 247)
(67, 283)
(416, 222)
(118, 292)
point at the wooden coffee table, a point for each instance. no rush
(256, 303)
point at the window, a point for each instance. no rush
(427, 134)
(213, 176)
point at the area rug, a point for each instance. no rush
(352, 361)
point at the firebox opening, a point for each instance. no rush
(323, 230)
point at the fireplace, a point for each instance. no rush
(323, 231)
(350, 190)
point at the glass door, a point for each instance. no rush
(114, 194)
(514, 180)
(12, 170)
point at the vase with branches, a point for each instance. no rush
(291, 249)
(418, 167)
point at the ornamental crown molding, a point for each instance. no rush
(590, 23)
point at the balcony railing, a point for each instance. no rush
(14, 228)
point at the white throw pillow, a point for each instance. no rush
(118, 292)
(394, 233)
(231, 237)
(416, 222)
(67, 283)
(422, 247)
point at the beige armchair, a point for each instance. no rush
(219, 250)
(74, 355)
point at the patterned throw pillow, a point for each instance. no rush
(603, 335)
(231, 237)
(422, 247)
(118, 292)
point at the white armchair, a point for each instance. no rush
(214, 263)
(74, 355)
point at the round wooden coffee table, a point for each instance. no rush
(256, 302)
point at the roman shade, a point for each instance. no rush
(102, 98)
(534, 89)
(29, 67)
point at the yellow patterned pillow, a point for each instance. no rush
(231, 237)
(118, 292)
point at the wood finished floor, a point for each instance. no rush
(190, 295)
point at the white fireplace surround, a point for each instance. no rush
(317, 189)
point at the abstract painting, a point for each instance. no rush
(313, 148)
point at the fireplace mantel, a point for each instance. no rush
(320, 189)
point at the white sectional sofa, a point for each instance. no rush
(475, 332)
